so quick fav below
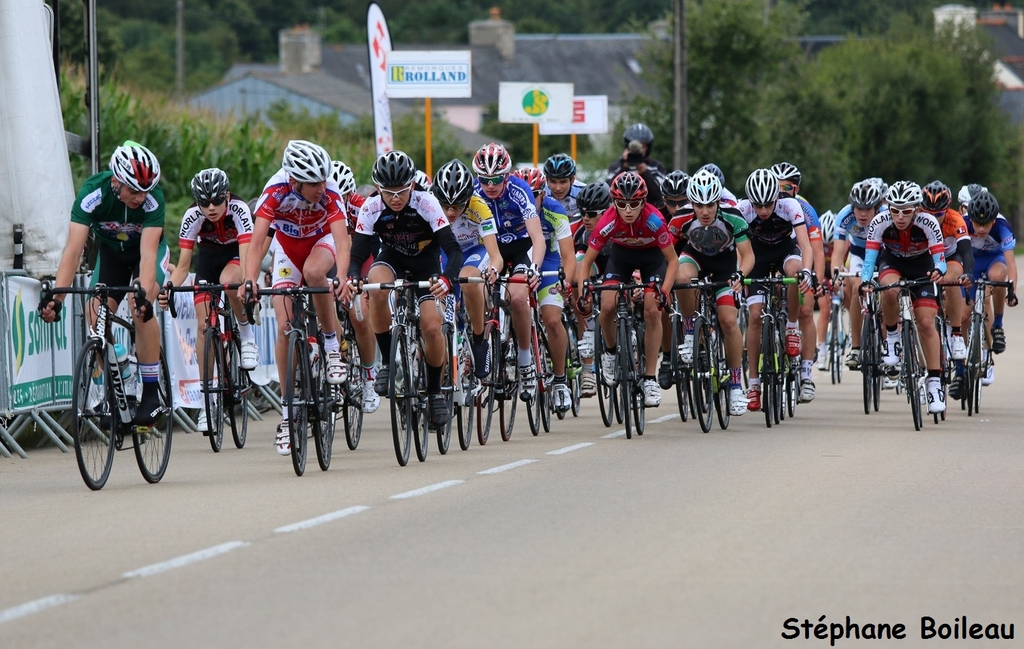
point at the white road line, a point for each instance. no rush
(185, 560)
(618, 433)
(505, 467)
(425, 490)
(661, 419)
(320, 520)
(35, 607)
(568, 449)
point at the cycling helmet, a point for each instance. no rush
(867, 194)
(967, 192)
(673, 185)
(342, 175)
(787, 171)
(209, 184)
(422, 180)
(492, 160)
(904, 193)
(639, 132)
(533, 176)
(828, 226)
(983, 208)
(935, 196)
(393, 169)
(704, 188)
(560, 165)
(628, 185)
(306, 162)
(595, 197)
(135, 166)
(762, 187)
(453, 184)
(713, 168)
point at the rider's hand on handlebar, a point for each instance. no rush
(736, 282)
(49, 308)
(935, 275)
(440, 286)
(164, 295)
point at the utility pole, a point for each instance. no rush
(680, 121)
(180, 75)
(767, 11)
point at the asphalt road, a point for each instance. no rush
(673, 539)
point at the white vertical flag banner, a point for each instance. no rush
(379, 41)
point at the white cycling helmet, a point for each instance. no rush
(342, 175)
(904, 193)
(762, 187)
(306, 162)
(828, 226)
(492, 160)
(704, 188)
(135, 166)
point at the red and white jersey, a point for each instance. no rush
(233, 228)
(295, 217)
(352, 205)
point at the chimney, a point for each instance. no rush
(299, 50)
(495, 32)
(957, 15)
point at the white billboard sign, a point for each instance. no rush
(418, 74)
(530, 103)
(589, 116)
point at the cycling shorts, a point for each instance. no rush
(290, 259)
(119, 267)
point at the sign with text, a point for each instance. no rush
(589, 116)
(39, 355)
(535, 103)
(415, 74)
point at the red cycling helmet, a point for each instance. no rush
(629, 185)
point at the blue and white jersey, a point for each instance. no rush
(999, 239)
(847, 229)
(511, 209)
(810, 218)
(555, 224)
(569, 202)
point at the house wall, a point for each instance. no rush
(250, 95)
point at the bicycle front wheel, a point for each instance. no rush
(464, 404)
(626, 384)
(325, 402)
(404, 413)
(912, 371)
(444, 433)
(419, 391)
(703, 388)
(720, 381)
(236, 403)
(296, 396)
(214, 382)
(94, 426)
(486, 400)
(352, 396)
(153, 443)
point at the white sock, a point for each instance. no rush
(331, 343)
(792, 325)
(245, 331)
(524, 357)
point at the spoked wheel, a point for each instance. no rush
(703, 386)
(486, 401)
(911, 373)
(465, 405)
(835, 349)
(296, 395)
(573, 371)
(419, 389)
(767, 373)
(236, 403)
(792, 388)
(544, 382)
(214, 387)
(626, 363)
(720, 381)
(325, 401)
(605, 393)
(680, 374)
(639, 396)
(444, 433)
(352, 397)
(509, 394)
(153, 443)
(402, 396)
(95, 419)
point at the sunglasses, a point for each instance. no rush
(628, 205)
(906, 211)
(763, 205)
(787, 187)
(491, 180)
(213, 201)
(591, 214)
(391, 194)
(453, 207)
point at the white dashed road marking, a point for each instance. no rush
(185, 560)
(34, 607)
(505, 467)
(428, 489)
(569, 449)
(320, 520)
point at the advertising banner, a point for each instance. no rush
(589, 116)
(41, 359)
(530, 103)
(415, 74)
(379, 43)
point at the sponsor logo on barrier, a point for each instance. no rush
(36, 349)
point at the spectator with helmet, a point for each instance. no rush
(638, 141)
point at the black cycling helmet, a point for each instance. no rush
(560, 165)
(595, 197)
(393, 169)
(713, 168)
(673, 186)
(639, 132)
(209, 184)
(935, 196)
(983, 209)
(866, 194)
(453, 183)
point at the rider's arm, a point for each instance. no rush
(818, 248)
(582, 270)
(147, 260)
(362, 248)
(182, 267)
(839, 253)
(1011, 267)
(567, 253)
(536, 232)
(966, 252)
(745, 256)
(671, 270)
(491, 245)
(259, 241)
(802, 240)
(342, 243)
(452, 250)
(78, 236)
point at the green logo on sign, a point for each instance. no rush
(535, 103)
(19, 332)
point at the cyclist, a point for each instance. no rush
(639, 241)
(677, 212)
(851, 233)
(560, 174)
(935, 200)
(778, 234)
(828, 232)
(413, 230)
(993, 243)
(476, 232)
(908, 243)
(124, 209)
(728, 198)
(301, 201)
(592, 202)
(520, 242)
(366, 343)
(223, 242)
(715, 246)
(638, 140)
(559, 254)
(789, 186)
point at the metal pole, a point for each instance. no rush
(536, 144)
(92, 91)
(429, 136)
(181, 48)
(680, 118)
(572, 146)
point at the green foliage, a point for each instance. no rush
(868, 17)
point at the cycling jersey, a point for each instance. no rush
(778, 228)
(420, 228)
(849, 230)
(922, 237)
(721, 235)
(999, 239)
(569, 202)
(473, 225)
(299, 223)
(233, 228)
(954, 229)
(511, 210)
(352, 205)
(554, 223)
(647, 231)
(810, 218)
(115, 224)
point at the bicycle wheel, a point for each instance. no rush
(486, 400)
(573, 367)
(679, 376)
(325, 410)
(703, 387)
(605, 394)
(510, 388)
(236, 403)
(545, 378)
(867, 362)
(911, 371)
(792, 386)
(974, 368)
(835, 346)
(296, 397)
(639, 365)
(444, 433)
(465, 405)
(421, 431)
(720, 379)
(404, 410)
(214, 387)
(768, 371)
(153, 443)
(95, 420)
(352, 395)
(626, 369)
(781, 370)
